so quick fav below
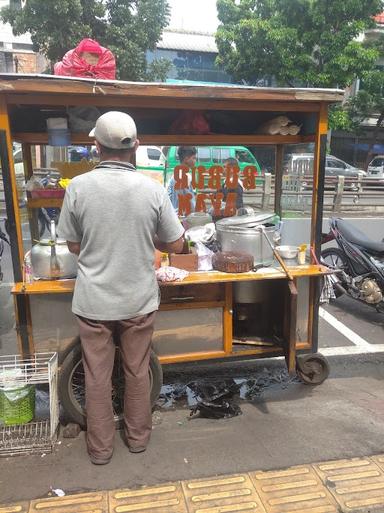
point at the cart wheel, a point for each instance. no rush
(72, 386)
(313, 369)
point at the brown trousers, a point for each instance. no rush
(97, 341)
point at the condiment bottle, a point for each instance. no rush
(164, 260)
(301, 254)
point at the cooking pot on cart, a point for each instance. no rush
(51, 258)
(242, 233)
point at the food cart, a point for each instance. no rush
(197, 319)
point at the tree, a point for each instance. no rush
(127, 27)
(311, 43)
(368, 102)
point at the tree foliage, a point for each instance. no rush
(127, 27)
(368, 102)
(310, 43)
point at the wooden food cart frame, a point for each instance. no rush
(145, 100)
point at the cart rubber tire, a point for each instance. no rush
(73, 409)
(338, 254)
(312, 369)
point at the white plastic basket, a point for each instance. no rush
(38, 435)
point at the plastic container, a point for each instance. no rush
(59, 137)
(17, 404)
(47, 193)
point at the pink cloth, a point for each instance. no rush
(72, 65)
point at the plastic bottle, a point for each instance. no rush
(164, 260)
(28, 275)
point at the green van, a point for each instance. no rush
(209, 156)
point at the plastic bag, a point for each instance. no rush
(73, 65)
(82, 119)
(190, 122)
(217, 400)
(205, 257)
(169, 273)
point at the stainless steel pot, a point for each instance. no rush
(241, 234)
(51, 258)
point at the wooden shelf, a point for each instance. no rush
(44, 202)
(67, 286)
(166, 140)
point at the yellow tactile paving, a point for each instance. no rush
(297, 489)
(356, 484)
(167, 498)
(345, 486)
(227, 494)
(20, 507)
(379, 459)
(96, 502)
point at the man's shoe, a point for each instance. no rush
(99, 461)
(137, 449)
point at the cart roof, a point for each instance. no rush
(15, 83)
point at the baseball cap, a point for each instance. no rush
(89, 45)
(115, 130)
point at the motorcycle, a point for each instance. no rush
(358, 263)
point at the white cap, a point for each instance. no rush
(115, 130)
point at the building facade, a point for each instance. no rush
(16, 52)
(192, 56)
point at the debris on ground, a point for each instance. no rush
(217, 400)
(157, 418)
(58, 492)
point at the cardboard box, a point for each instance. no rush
(189, 261)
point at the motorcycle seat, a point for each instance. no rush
(355, 236)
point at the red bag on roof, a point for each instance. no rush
(74, 65)
(190, 122)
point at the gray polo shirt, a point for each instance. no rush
(115, 212)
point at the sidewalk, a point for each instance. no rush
(339, 486)
(287, 426)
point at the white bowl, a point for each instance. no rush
(287, 252)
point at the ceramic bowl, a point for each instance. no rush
(287, 252)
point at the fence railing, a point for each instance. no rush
(341, 194)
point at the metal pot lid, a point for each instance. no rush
(244, 221)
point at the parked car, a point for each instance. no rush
(209, 156)
(302, 164)
(150, 161)
(375, 171)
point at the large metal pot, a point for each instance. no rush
(51, 258)
(241, 233)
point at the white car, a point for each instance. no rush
(375, 171)
(150, 156)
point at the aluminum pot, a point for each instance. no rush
(243, 235)
(51, 258)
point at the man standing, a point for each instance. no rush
(113, 218)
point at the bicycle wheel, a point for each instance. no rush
(72, 385)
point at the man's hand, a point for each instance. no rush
(74, 247)
(170, 247)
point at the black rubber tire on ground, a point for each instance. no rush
(312, 369)
(334, 258)
(71, 386)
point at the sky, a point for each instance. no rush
(196, 15)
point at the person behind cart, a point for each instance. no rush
(113, 218)
(232, 164)
(187, 156)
